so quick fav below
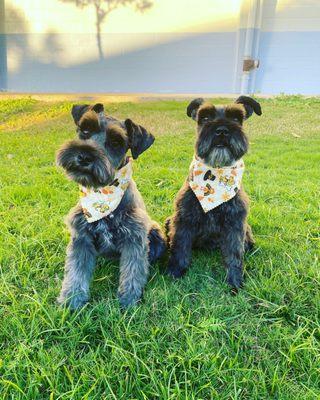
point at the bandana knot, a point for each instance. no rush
(98, 203)
(214, 186)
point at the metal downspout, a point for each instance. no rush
(251, 46)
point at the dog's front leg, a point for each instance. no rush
(180, 250)
(134, 268)
(80, 262)
(232, 247)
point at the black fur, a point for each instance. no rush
(220, 142)
(139, 139)
(157, 245)
(91, 121)
(193, 107)
(78, 110)
(250, 105)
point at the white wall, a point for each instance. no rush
(176, 46)
(289, 48)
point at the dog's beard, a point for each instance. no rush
(86, 163)
(220, 152)
(220, 157)
(239, 147)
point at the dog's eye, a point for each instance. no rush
(205, 119)
(83, 134)
(235, 119)
(113, 143)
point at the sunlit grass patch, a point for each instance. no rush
(189, 339)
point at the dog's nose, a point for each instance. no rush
(84, 159)
(222, 130)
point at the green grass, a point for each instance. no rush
(189, 339)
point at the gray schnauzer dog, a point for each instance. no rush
(211, 208)
(93, 161)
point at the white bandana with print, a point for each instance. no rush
(98, 203)
(214, 186)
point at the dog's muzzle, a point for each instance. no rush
(221, 136)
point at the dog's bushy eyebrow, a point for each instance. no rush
(89, 122)
(206, 110)
(116, 144)
(235, 111)
(116, 136)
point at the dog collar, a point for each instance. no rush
(98, 203)
(214, 186)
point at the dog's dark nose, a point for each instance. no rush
(222, 130)
(84, 159)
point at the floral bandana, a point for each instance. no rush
(214, 186)
(99, 203)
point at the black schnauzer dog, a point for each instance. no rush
(211, 208)
(110, 218)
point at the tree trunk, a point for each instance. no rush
(98, 34)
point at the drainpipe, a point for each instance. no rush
(3, 49)
(251, 46)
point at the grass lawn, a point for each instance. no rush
(189, 339)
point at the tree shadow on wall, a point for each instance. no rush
(103, 8)
(165, 64)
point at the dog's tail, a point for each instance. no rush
(157, 243)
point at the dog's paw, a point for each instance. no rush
(157, 245)
(175, 272)
(129, 299)
(73, 301)
(235, 279)
(248, 246)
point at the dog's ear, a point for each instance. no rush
(250, 105)
(98, 108)
(78, 110)
(139, 139)
(193, 107)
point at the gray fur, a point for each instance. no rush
(127, 233)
